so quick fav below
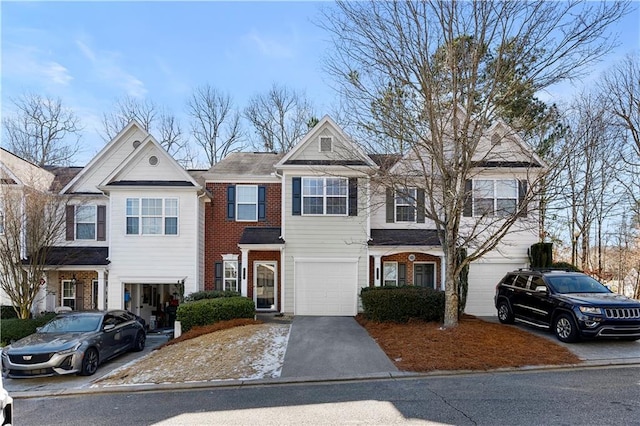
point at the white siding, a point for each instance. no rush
(153, 258)
(323, 237)
(311, 151)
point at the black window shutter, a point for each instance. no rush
(353, 196)
(420, 205)
(522, 194)
(402, 274)
(70, 222)
(390, 206)
(102, 223)
(262, 203)
(218, 276)
(231, 202)
(468, 198)
(296, 189)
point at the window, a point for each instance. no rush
(1, 221)
(326, 144)
(495, 197)
(247, 203)
(230, 275)
(324, 196)
(152, 216)
(86, 219)
(390, 273)
(405, 205)
(68, 294)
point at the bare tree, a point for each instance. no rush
(280, 118)
(42, 131)
(445, 67)
(215, 125)
(32, 221)
(126, 109)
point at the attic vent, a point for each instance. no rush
(136, 144)
(153, 160)
(326, 144)
(495, 139)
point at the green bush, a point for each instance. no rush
(399, 304)
(213, 294)
(15, 329)
(209, 311)
(7, 312)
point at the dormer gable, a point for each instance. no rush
(326, 144)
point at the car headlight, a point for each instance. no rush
(70, 350)
(590, 310)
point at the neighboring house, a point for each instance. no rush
(303, 232)
(17, 176)
(134, 230)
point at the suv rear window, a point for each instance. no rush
(521, 281)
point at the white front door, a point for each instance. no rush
(264, 285)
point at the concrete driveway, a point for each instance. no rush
(332, 348)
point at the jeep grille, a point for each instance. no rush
(622, 312)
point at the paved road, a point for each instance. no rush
(594, 396)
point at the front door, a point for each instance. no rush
(424, 275)
(264, 284)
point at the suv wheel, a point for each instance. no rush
(565, 328)
(505, 316)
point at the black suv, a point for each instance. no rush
(572, 304)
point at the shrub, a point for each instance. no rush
(15, 328)
(7, 312)
(213, 294)
(399, 304)
(209, 311)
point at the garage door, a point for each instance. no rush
(326, 287)
(483, 278)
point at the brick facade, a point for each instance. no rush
(222, 235)
(404, 258)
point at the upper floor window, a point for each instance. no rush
(86, 222)
(152, 216)
(495, 197)
(405, 205)
(246, 203)
(324, 196)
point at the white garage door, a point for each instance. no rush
(483, 278)
(326, 287)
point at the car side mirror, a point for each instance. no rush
(541, 289)
(108, 327)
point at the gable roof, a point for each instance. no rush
(360, 158)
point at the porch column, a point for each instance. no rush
(442, 273)
(377, 270)
(101, 289)
(244, 273)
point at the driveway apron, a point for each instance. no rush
(332, 348)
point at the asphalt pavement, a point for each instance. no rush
(319, 349)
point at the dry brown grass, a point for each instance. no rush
(473, 345)
(206, 329)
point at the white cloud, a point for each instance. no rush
(56, 73)
(269, 47)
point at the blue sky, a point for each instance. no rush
(90, 53)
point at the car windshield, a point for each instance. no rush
(72, 324)
(577, 284)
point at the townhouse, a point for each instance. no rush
(299, 232)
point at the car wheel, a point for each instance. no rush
(138, 344)
(89, 362)
(565, 328)
(505, 316)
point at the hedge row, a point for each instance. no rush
(15, 329)
(213, 294)
(209, 311)
(399, 304)
(7, 312)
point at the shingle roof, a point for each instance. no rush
(246, 163)
(261, 235)
(404, 237)
(59, 256)
(62, 176)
